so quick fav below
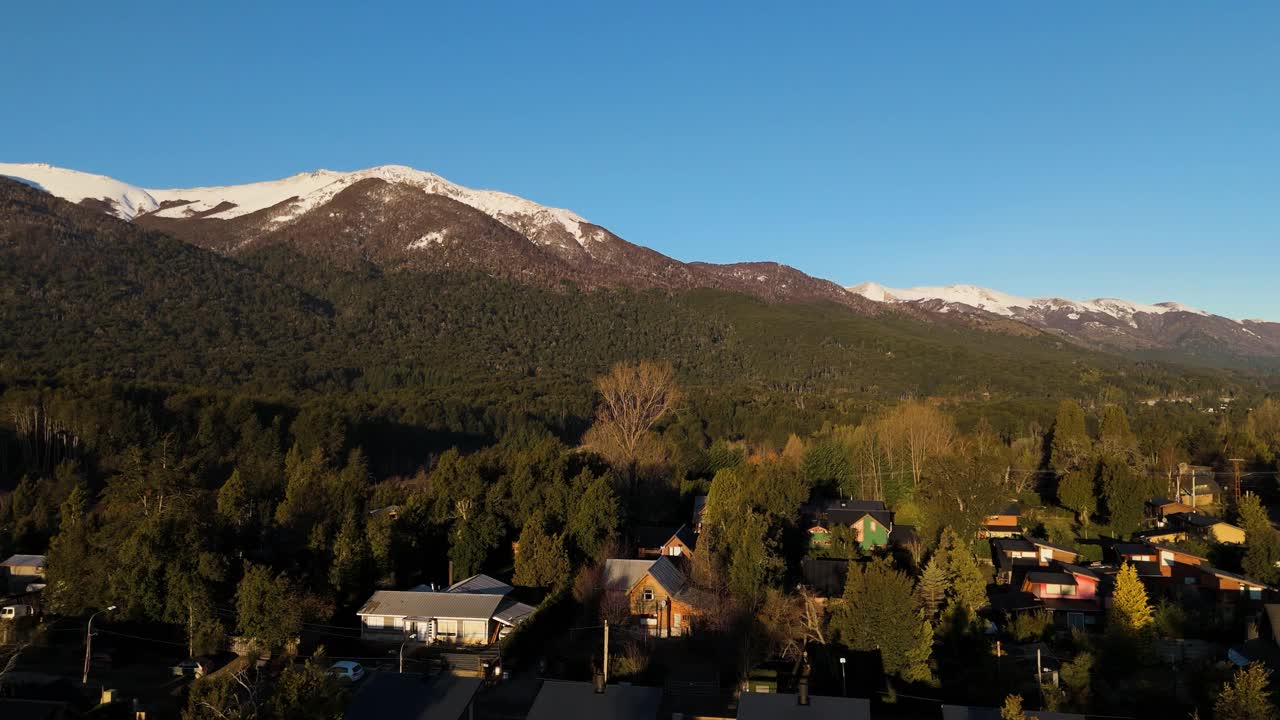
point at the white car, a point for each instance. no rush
(347, 670)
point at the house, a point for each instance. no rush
(1196, 487)
(395, 696)
(1195, 523)
(559, 699)
(699, 506)
(450, 617)
(1004, 524)
(19, 571)
(1135, 552)
(871, 521)
(1013, 556)
(1069, 592)
(1049, 552)
(1228, 587)
(659, 597)
(785, 706)
(1158, 508)
(654, 541)
(481, 585)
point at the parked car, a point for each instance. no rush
(194, 667)
(13, 612)
(347, 671)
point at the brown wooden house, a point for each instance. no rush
(659, 597)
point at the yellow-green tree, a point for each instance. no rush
(1130, 608)
(1247, 696)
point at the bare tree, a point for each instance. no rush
(634, 397)
(921, 431)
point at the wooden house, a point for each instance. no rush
(870, 520)
(660, 599)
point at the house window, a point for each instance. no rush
(397, 622)
(447, 629)
(373, 621)
(646, 595)
(674, 550)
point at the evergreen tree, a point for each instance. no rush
(542, 560)
(1077, 493)
(1069, 448)
(233, 501)
(753, 559)
(1077, 679)
(1263, 540)
(348, 574)
(593, 521)
(1124, 495)
(1247, 696)
(1115, 437)
(472, 540)
(1130, 607)
(968, 587)
(880, 612)
(933, 586)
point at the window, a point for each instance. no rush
(447, 629)
(647, 595)
(373, 621)
(397, 622)
(674, 550)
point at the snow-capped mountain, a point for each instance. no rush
(396, 217)
(1103, 322)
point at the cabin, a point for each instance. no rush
(19, 571)
(1004, 524)
(474, 611)
(1158, 508)
(871, 521)
(1202, 525)
(660, 599)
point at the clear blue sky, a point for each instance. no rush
(1073, 148)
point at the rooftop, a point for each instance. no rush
(480, 585)
(625, 574)
(389, 696)
(24, 561)
(784, 706)
(562, 699)
(399, 603)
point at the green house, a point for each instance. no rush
(870, 520)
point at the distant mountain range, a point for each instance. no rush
(394, 218)
(1167, 328)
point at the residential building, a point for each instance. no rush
(1201, 525)
(870, 520)
(1159, 507)
(659, 597)
(559, 699)
(1069, 592)
(1004, 524)
(456, 616)
(1196, 486)
(19, 571)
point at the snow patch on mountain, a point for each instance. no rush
(128, 201)
(426, 241)
(1004, 304)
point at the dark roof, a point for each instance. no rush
(480, 585)
(1146, 568)
(392, 696)
(848, 512)
(787, 706)
(1132, 548)
(1051, 578)
(1080, 570)
(1170, 548)
(653, 536)
(826, 577)
(687, 536)
(562, 699)
(1233, 576)
(1052, 546)
(1005, 545)
(1195, 519)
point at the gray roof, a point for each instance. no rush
(561, 699)
(480, 585)
(398, 603)
(24, 561)
(625, 574)
(784, 706)
(511, 612)
(392, 696)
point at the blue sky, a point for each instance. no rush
(1074, 148)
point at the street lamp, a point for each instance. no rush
(88, 643)
(844, 690)
(412, 636)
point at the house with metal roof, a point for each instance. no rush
(451, 617)
(660, 598)
(19, 571)
(480, 584)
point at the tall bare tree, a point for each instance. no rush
(921, 431)
(634, 397)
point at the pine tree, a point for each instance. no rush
(351, 557)
(933, 586)
(593, 520)
(1070, 447)
(1130, 608)
(1247, 696)
(968, 588)
(1115, 438)
(233, 501)
(880, 612)
(542, 560)
(1124, 496)
(1263, 540)
(1076, 492)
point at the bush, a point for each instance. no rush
(1030, 627)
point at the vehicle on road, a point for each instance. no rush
(13, 612)
(347, 671)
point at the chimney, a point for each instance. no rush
(450, 573)
(597, 681)
(803, 691)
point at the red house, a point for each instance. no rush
(1068, 592)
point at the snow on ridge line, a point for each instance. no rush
(1007, 305)
(307, 191)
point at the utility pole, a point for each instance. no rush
(1235, 469)
(606, 652)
